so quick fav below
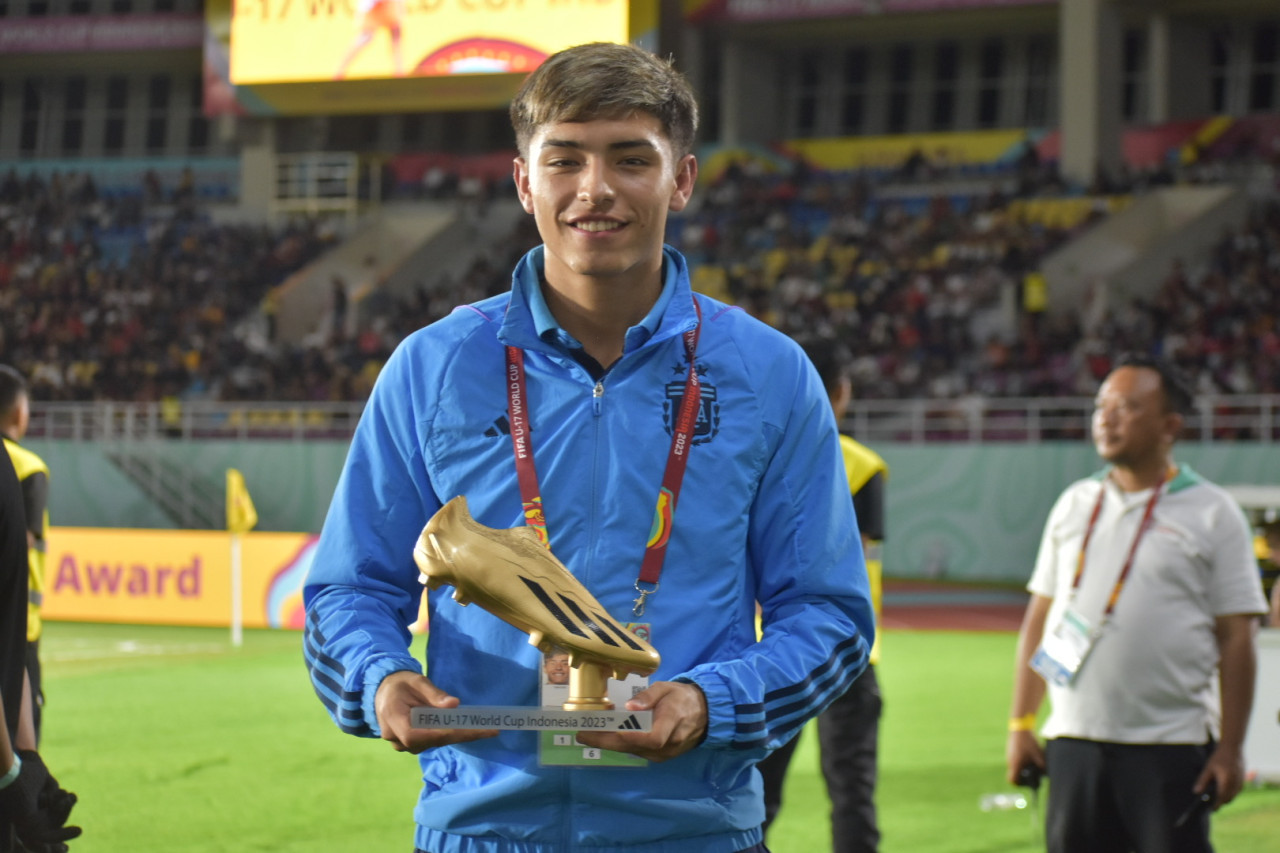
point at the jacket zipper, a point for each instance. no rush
(597, 408)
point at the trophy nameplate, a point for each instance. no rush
(520, 718)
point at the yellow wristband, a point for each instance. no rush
(1025, 723)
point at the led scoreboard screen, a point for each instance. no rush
(301, 41)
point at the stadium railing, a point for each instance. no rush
(116, 421)
(1253, 418)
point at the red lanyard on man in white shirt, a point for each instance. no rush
(1133, 548)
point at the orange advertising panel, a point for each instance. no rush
(172, 577)
(293, 41)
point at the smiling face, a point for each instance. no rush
(1133, 425)
(557, 668)
(600, 192)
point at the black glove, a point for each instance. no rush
(37, 806)
(51, 847)
(53, 799)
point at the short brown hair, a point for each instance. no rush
(606, 80)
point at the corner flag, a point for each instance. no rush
(241, 516)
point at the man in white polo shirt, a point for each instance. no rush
(1144, 609)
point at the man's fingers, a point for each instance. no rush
(397, 696)
(1021, 750)
(405, 738)
(643, 744)
(1226, 786)
(1224, 772)
(663, 742)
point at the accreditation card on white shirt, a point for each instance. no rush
(1151, 671)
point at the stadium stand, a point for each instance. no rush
(867, 192)
(158, 315)
(934, 302)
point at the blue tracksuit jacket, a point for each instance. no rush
(764, 516)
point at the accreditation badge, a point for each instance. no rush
(561, 748)
(1064, 648)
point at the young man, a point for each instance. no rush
(1145, 593)
(848, 730)
(33, 475)
(597, 344)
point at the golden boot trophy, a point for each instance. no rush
(511, 574)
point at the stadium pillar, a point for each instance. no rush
(749, 94)
(731, 92)
(1091, 50)
(257, 166)
(1177, 56)
(1159, 67)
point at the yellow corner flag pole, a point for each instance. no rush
(241, 518)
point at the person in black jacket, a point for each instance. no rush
(33, 807)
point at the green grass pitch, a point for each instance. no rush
(177, 742)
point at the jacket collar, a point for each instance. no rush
(1185, 478)
(528, 322)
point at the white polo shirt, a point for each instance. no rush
(1152, 674)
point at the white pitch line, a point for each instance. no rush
(127, 648)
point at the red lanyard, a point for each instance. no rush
(677, 458)
(1133, 548)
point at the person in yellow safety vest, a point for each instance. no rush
(848, 730)
(1266, 547)
(33, 474)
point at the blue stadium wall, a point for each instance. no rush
(956, 511)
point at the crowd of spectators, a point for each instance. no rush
(928, 292)
(936, 295)
(1219, 320)
(162, 321)
(939, 297)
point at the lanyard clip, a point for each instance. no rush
(638, 609)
